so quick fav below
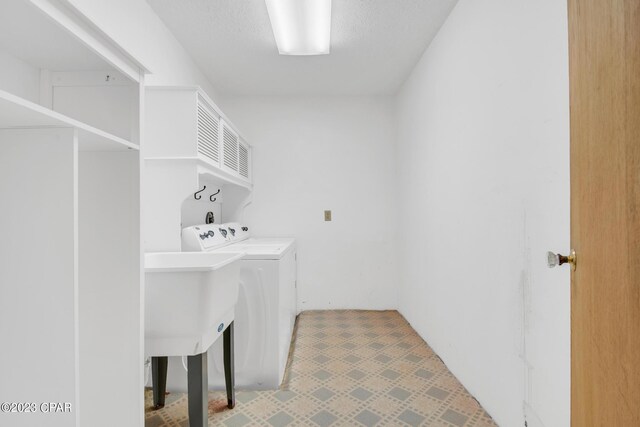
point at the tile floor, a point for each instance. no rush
(347, 368)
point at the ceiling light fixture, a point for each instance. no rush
(301, 27)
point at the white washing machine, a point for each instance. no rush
(266, 309)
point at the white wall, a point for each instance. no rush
(483, 167)
(312, 154)
(19, 78)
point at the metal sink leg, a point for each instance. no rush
(159, 379)
(198, 389)
(229, 374)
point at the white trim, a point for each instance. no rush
(141, 207)
(76, 277)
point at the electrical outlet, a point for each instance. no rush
(327, 215)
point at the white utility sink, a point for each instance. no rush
(190, 299)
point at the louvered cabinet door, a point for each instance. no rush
(208, 133)
(244, 165)
(230, 142)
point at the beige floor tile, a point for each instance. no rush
(347, 367)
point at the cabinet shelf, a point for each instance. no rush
(205, 167)
(16, 112)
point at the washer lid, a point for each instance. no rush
(267, 248)
(269, 241)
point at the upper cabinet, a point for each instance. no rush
(183, 124)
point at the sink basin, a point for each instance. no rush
(190, 299)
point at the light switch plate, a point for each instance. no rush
(327, 215)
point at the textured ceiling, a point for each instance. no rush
(374, 45)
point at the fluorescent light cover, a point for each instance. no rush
(301, 27)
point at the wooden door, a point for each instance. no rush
(604, 50)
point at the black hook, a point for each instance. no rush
(195, 195)
(213, 199)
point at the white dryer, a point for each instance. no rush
(266, 309)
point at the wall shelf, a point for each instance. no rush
(16, 112)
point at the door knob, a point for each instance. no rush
(558, 259)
